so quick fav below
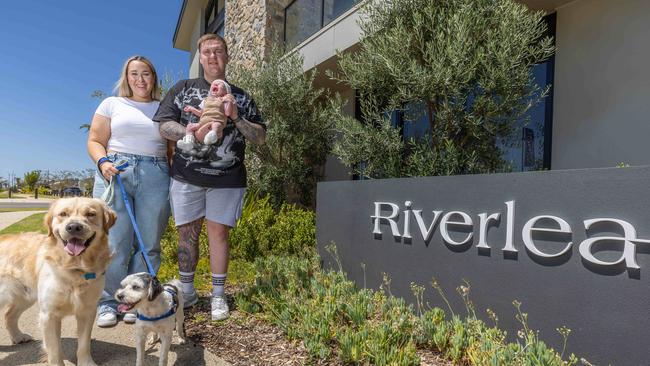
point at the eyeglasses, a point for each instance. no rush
(137, 76)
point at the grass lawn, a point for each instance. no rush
(5, 194)
(30, 223)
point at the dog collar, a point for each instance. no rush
(91, 275)
(171, 311)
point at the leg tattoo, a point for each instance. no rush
(188, 245)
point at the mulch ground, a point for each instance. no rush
(244, 339)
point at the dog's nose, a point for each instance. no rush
(120, 297)
(74, 228)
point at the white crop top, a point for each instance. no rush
(132, 130)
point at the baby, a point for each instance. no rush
(213, 119)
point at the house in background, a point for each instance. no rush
(596, 115)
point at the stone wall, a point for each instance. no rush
(253, 27)
(246, 31)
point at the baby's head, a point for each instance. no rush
(219, 88)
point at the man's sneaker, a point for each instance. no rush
(107, 317)
(129, 318)
(219, 308)
(190, 299)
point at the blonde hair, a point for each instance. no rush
(211, 36)
(122, 88)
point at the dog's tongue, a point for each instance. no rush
(123, 308)
(75, 246)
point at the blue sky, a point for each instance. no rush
(54, 55)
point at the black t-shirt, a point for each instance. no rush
(213, 166)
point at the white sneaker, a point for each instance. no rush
(129, 318)
(190, 299)
(220, 309)
(107, 318)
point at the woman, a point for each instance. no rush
(122, 130)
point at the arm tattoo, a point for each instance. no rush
(252, 131)
(188, 245)
(171, 130)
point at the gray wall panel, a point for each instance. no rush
(605, 306)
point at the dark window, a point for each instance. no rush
(302, 18)
(531, 149)
(333, 8)
(215, 17)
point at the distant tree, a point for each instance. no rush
(62, 179)
(465, 66)
(167, 80)
(300, 130)
(98, 94)
(87, 181)
(31, 179)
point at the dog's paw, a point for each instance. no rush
(21, 338)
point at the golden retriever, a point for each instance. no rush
(64, 270)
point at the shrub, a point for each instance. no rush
(262, 231)
(332, 318)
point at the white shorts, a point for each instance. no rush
(190, 203)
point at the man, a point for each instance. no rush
(210, 180)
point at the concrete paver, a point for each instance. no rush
(110, 346)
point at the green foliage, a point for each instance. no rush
(334, 319)
(263, 231)
(260, 231)
(299, 134)
(464, 65)
(31, 179)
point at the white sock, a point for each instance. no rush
(187, 282)
(218, 281)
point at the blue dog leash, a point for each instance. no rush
(135, 225)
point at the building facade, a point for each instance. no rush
(595, 116)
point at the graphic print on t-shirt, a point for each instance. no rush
(202, 164)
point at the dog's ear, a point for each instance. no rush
(109, 216)
(48, 219)
(155, 289)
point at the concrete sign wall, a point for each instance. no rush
(572, 246)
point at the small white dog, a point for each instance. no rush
(159, 310)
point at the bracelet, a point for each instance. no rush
(101, 161)
(236, 120)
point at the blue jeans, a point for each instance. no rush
(146, 182)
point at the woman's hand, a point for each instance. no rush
(108, 170)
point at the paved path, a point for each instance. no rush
(10, 218)
(110, 346)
